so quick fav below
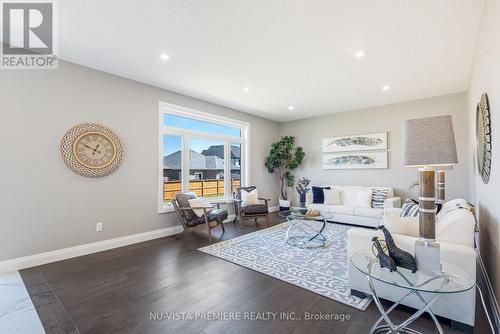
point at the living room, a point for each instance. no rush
(231, 169)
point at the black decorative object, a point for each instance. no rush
(402, 258)
(385, 260)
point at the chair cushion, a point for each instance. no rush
(218, 215)
(255, 209)
(183, 202)
(237, 193)
(199, 203)
(249, 197)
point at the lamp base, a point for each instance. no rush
(428, 255)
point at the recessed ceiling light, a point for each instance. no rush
(246, 90)
(386, 87)
(359, 54)
(291, 107)
(165, 57)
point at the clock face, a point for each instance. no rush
(94, 150)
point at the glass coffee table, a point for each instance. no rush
(451, 280)
(305, 231)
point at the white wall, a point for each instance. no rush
(486, 79)
(310, 132)
(44, 205)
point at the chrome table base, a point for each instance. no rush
(389, 326)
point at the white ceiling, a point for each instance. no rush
(287, 52)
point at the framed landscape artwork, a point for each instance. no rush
(366, 142)
(355, 160)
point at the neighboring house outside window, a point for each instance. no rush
(202, 153)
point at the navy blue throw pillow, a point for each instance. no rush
(319, 195)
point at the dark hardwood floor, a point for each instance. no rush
(116, 291)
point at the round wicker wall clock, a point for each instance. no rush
(91, 150)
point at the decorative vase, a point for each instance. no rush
(302, 203)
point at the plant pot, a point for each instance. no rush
(284, 204)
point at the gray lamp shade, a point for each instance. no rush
(429, 142)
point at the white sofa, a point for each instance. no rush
(349, 211)
(455, 234)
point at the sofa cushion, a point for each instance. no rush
(409, 209)
(318, 194)
(365, 198)
(369, 212)
(341, 209)
(332, 197)
(350, 195)
(320, 207)
(378, 197)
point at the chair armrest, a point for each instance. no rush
(216, 204)
(196, 207)
(392, 202)
(237, 200)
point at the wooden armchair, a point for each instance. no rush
(211, 217)
(256, 211)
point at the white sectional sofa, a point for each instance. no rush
(349, 212)
(455, 234)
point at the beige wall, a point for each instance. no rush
(486, 78)
(309, 134)
(44, 205)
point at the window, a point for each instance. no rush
(202, 153)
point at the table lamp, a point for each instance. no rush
(429, 145)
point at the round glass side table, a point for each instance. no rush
(451, 279)
(305, 231)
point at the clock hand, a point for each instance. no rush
(95, 149)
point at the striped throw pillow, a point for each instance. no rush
(409, 209)
(378, 197)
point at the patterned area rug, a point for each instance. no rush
(321, 270)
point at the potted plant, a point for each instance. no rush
(282, 159)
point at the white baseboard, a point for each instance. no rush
(94, 247)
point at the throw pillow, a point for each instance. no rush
(318, 194)
(199, 203)
(402, 225)
(249, 198)
(365, 198)
(409, 209)
(378, 198)
(332, 197)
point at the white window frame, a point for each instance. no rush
(186, 134)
